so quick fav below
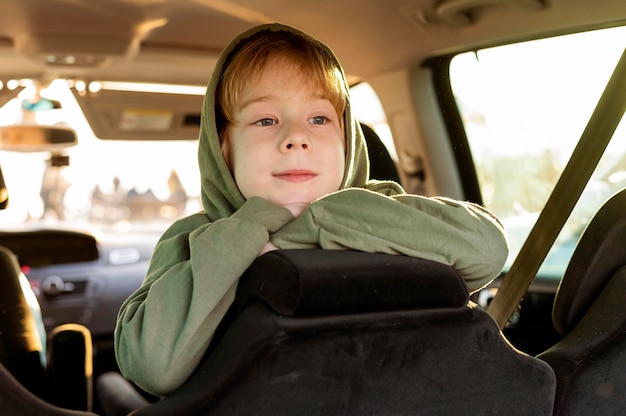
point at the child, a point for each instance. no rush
(283, 165)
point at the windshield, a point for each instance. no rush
(107, 185)
(524, 107)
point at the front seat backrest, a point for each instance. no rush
(316, 332)
(382, 166)
(20, 341)
(589, 311)
(600, 251)
(16, 400)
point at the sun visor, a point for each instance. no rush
(139, 115)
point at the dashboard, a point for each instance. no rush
(79, 278)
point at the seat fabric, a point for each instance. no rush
(589, 311)
(600, 251)
(439, 362)
(382, 166)
(16, 400)
(589, 362)
(20, 342)
(340, 358)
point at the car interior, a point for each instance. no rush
(515, 105)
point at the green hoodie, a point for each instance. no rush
(164, 328)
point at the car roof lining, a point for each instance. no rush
(131, 29)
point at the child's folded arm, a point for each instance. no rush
(164, 328)
(460, 234)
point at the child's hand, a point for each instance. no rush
(268, 247)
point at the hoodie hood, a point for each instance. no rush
(220, 194)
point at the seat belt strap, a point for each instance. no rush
(594, 140)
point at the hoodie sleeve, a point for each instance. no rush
(164, 328)
(460, 234)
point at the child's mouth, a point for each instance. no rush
(296, 175)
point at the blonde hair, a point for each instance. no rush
(248, 60)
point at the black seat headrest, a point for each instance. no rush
(382, 166)
(316, 282)
(600, 251)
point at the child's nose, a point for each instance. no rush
(290, 146)
(295, 138)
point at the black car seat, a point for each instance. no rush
(16, 400)
(21, 341)
(382, 166)
(27, 386)
(589, 310)
(343, 332)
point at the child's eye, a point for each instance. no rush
(319, 120)
(265, 122)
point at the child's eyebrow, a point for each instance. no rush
(264, 98)
(255, 100)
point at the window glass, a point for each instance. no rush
(524, 107)
(109, 185)
(367, 109)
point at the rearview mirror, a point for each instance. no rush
(36, 138)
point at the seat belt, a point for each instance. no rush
(594, 140)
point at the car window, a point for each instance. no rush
(524, 107)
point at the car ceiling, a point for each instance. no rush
(177, 41)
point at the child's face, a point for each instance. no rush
(287, 142)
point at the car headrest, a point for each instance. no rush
(382, 166)
(316, 282)
(600, 252)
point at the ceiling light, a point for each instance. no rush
(154, 88)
